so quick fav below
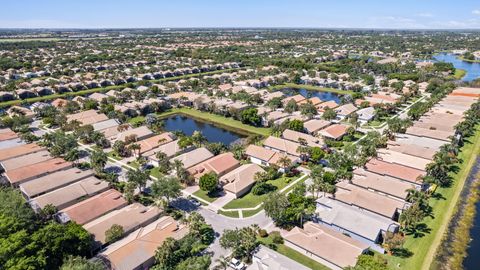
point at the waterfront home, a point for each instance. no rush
(130, 217)
(335, 131)
(364, 226)
(297, 98)
(266, 157)
(137, 250)
(153, 142)
(314, 100)
(240, 180)
(401, 172)
(282, 146)
(382, 184)
(391, 156)
(327, 104)
(220, 165)
(193, 157)
(324, 245)
(273, 116)
(69, 195)
(92, 208)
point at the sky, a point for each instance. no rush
(396, 14)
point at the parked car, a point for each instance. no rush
(236, 264)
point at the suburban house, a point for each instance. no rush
(153, 142)
(301, 138)
(335, 131)
(220, 165)
(325, 245)
(25, 160)
(364, 226)
(265, 258)
(366, 114)
(391, 156)
(345, 110)
(266, 157)
(131, 217)
(137, 250)
(313, 126)
(138, 133)
(297, 98)
(20, 150)
(282, 146)
(92, 208)
(395, 170)
(193, 157)
(240, 180)
(30, 172)
(88, 117)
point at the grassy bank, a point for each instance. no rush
(218, 120)
(424, 248)
(103, 89)
(312, 88)
(459, 74)
(468, 60)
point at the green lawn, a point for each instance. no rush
(459, 73)
(249, 200)
(293, 254)
(227, 122)
(204, 195)
(136, 120)
(424, 248)
(114, 155)
(250, 213)
(232, 214)
(155, 173)
(312, 88)
(105, 89)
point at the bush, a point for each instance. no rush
(262, 233)
(263, 188)
(276, 237)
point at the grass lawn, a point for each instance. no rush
(424, 248)
(293, 254)
(227, 122)
(114, 155)
(204, 195)
(232, 214)
(459, 73)
(105, 89)
(155, 173)
(134, 164)
(136, 120)
(250, 213)
(249, 200)
(312, 88)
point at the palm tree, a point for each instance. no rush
(222, 263)
(135, 147)
(285, 162)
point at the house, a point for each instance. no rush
(170, 149)
(368, 200)
(155, 141)
(265, 157)
(391, 156)
(273, 116)
(335, 131)
(314, 100)
(19, 150)
(25, 160)
(345, 110)
(401, 172)
(138, 133)
(386, 185)
(282, 146)
(324, 245)
(88, 117)
(69, 195)
(7, 134)
(99, 97)
(265, 259)
(20, 111)
(327, 104)
(313, 126)
(300, 137)
(110, 123)
(363, 226)
(137, 250)
(220, 165)
(194, 157)
(130, 217)
(92, 208)
(366, 114)
(53, 181)
(240, 180)
(59, 103)
(297, 98)
(416, 146)
(30, 172)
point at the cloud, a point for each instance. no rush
(476, 12)
(425, 15)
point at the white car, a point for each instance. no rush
(237, 265)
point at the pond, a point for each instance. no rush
(213, 133)
(325, 96)
(473, 69)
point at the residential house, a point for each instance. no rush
(240, 180)
(335, 131)
(220, 165)
(193, 157)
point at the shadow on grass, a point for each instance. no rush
(437, 196)
(419, 231)
(402, 253)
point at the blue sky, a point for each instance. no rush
(411, 14)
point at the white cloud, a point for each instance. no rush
(476, 12)
(425, 15)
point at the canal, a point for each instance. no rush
(472, 69)
(213, 133)
(472, 261)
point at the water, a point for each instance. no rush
(213, 133)
(325, 96)
(473, 69)
(472, 261)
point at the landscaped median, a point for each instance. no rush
(105, 89)
(424, 247)
(312, 88)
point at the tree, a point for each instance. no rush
(285, 162)
(195, 263)
(393, 242)
(198, 139)
(167, 187)
(165, 254)
(209, 182)
(296, 125)
(163, 162)
(329, 114)
(185, 142)
(250, 116)
(114, 233)
(121, 149)
(316, 154)
(411, 217)
(242, 242)
(369, 262)
(138, 177)
(222, 263)
(98, 160)
(291, 106)
(81, 263)
(216, 148)
(308, 109)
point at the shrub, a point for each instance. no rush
(262, 233)
(263, 188)
(276, 237)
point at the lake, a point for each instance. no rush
(473, 69)
(472, 261)
(213, 133)
(325, 96)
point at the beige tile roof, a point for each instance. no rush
(153, 142)
(140, 132)
(381, 183)
(259, 152)
(26, 160)
(170, 149)
(7, 134)
(282, 145)
(219, 164)
(334, 131)
(296, 136)
(193, 157)
(391, 156)
(130, 217)
(327, 244)
(29, 172)
(315, 125)
(241, 178)
(19, 150)
(95, 207)
(394, 170)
